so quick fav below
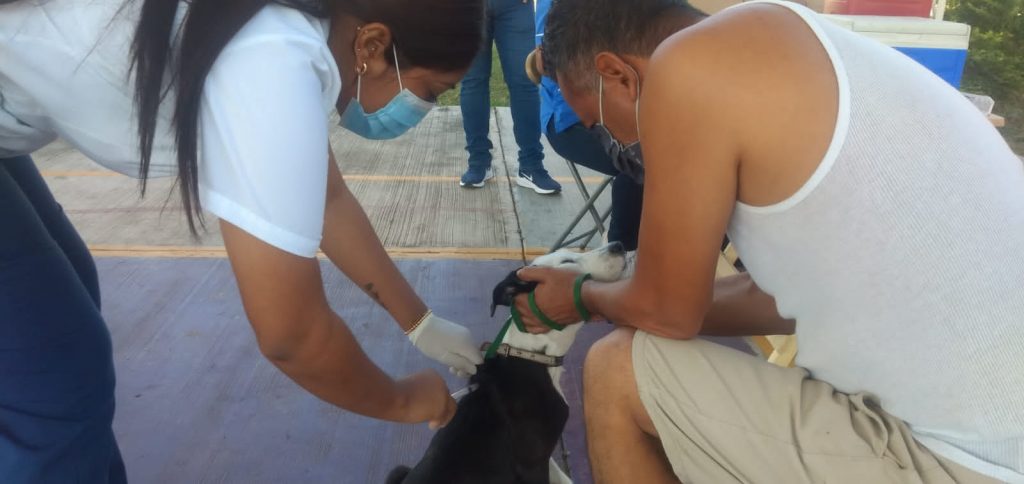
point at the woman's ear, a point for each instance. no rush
(373, 47)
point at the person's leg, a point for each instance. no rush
(56, 362)
(475, 102)
(577, 145)
(27, 176)
(514, 36)
(621, 439)
(627, 209)
(720, 415)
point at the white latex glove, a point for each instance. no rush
(449, 343)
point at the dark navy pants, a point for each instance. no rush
(56, 362)
(577, 145)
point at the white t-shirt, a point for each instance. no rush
(263, 117)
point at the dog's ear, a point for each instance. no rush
(508, 289)
(398, 474)
(503, 295)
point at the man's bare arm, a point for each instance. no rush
(740, 308)
(691, 158)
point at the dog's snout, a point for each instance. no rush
(616, 248)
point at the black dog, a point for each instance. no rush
(503, 432)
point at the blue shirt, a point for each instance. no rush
(552, 104)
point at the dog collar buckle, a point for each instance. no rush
(546, 360)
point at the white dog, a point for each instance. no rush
(605, 264)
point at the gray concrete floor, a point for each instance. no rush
(409, 188)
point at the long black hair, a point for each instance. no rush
(443, 35)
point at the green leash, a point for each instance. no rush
(492, 349)
(541, 316)
(517, 318)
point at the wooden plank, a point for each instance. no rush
(784, 354)
(762, 346)
(463, 253)
(730, 255)
(408, 187)
(590, 180)
(997, 120)
(438, 215)
(724, 267)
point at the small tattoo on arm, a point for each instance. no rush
(372, 292)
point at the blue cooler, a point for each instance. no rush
(938, 45)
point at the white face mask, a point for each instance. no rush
(403, 112)
(628, 159)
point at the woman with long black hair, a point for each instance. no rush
(232, 96)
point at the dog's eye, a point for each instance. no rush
(567, 261)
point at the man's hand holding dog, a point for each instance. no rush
(554, 297)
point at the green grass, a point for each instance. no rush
(499, 91)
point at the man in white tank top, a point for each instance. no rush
(878, 213)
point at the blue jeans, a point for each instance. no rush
(577, 145)
(510, 26)
(56, 361)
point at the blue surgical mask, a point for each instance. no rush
(628, 159)
(400, 114)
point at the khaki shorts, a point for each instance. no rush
(725, 416)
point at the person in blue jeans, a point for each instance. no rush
(510, 26)
(574, 142)
(56, 379)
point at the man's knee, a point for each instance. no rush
(610, 356)
(609, 379)
(618, 343)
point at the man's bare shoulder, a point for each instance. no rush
(738, 44)
(741, 66)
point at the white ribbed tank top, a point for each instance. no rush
(902, 257)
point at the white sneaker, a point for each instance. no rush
(540, 182)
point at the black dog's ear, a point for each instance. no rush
(508, 289)
(398, 474)
(503, 295)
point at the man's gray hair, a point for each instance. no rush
(577, 30)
